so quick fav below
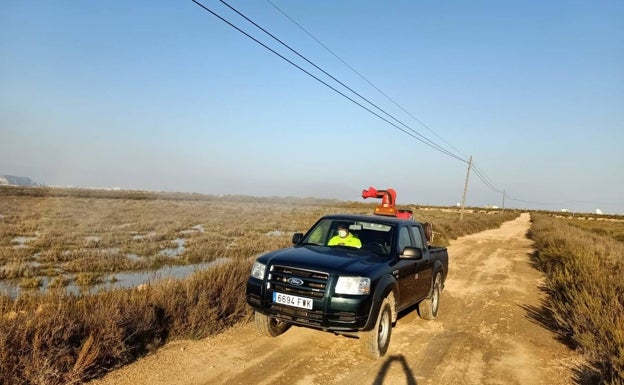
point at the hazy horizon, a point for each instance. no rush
(357, 198)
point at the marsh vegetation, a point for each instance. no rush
(65, 237)
(58, 237)
(583, 259)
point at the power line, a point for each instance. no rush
(420, 137)
(483, 177)
(364, 78)
(423, 139)
(440, 148)
(479, 172)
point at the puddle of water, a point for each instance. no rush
(173, 253)
(11, 287)
(134, 257)
(22, 241)
(33, 264)
(124, 280)
(133, 279)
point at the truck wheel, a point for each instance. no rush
(268, 326)
(376, 341)
(428, 307)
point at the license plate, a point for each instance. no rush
(291, 300)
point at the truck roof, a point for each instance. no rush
(370, 218)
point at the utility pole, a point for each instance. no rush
(503, 200)
(461, 213)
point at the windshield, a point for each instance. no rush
(365, 235)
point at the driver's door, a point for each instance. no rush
(407, 270)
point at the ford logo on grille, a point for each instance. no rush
(295, 281)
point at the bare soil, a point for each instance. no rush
(486, 333)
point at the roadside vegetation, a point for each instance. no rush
(52, 337)
(583, 259)
(55, 338)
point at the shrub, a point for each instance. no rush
(585, 287)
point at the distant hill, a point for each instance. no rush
(10, 180)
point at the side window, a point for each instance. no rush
(404, 239)
(416, 235)
(319, 234)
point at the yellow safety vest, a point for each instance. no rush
(349, 240)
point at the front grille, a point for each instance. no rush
(314, 285)
(308, 317)
(314, 282)
(344, 317)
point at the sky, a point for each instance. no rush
(164, 96)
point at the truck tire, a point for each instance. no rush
(428, 307)
(375, 342)
(270, 327)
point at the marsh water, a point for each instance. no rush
(127, 279)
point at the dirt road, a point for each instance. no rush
(483, 335)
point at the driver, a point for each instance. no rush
(344, 238)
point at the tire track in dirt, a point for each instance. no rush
(483, 335)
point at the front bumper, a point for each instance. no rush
(344, 313)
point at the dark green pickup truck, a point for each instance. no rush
(353, 290)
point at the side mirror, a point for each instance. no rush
(296, 238)
(410, 252)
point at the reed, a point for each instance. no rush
(585, 287)
(55, 338)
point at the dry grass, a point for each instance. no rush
(80, 235)
(64, 234)
(613, 228)
(87, 279)
(55, 338)
(585, 284)
(30, 283)
(60, 339)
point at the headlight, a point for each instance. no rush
(257, 271)
(353, 285)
